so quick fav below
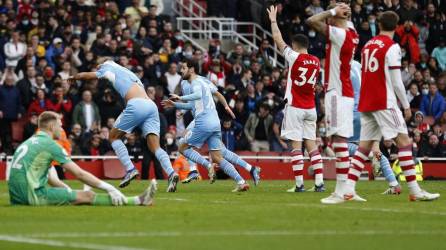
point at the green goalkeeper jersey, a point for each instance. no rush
(31, 161)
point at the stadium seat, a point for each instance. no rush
(17, 129)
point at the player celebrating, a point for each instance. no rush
(380, 114)
(140, 112)
(227, 154)
(207, 127)
(342, 40)
(299, 123)
(29, 173)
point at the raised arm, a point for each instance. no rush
(318, 21)
(277, 36)
(196, 94)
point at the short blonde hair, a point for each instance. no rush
(46, 118)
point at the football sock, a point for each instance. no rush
(342, 164)
(196, 157)
(408, 166)
(316, 162)
(164, 160)
(123, 155)
(298, 166)
(356, 167)
(229, 169)
(235, 159)
(387, 171)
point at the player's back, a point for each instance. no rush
(302, 77)
(340, 50)
(205, 112)
(120, 77)
(379, 55)
(32, 159)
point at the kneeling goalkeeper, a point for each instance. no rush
(28, 180)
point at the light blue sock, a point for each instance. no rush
(387, 171)
(192, 165)
(229, 169)
(235, 159)
(352, 147)
(164, 159)
(123, 155)
(196, 157)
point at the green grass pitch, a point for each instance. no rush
(204, 216)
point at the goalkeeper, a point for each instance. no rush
(28, 180)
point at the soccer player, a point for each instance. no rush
(28, 177)
(382, 161)
(140, 112)
(227, 154)
(342, 40)
(299, 123)
(380, 114)
(207, 128)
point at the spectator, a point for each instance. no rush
(408, 34)
(216, 74)
(257, 129)
(61, 104)
(30, 127)
(136, 12)
(433, 104)
(109, 106)
(86, 113)
(10, 110)
(413, 96)
(25, 85)
(40, 103)
(278, 145)
(172, 77)
(14, 50)
(241, 114)
(76, 139)
(439, 53)
(231, 133)
(246, 80)
(39, 83)
(433, 148)
(133, 146)
(53, 51)
(418, 123)
(389, 149)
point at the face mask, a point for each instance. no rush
(246, 63)
(322, 131)
(425, 91)
(270, 102)
(311, 33)
(34, 21)
(169, 141)
(178, 37)
(77, 32)
(25, 22)
(372, 21)
(188, 54)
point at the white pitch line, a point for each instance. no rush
(172, 199)
(231, 233)
(368, 209)
(53, 243)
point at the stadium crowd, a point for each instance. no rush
(44, 42)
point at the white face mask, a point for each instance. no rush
(425, 91)
(169, 141)
(311, 33)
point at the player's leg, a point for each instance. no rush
(193, 171)
(407, 164)
(384, 166)
(195, 138)
(236, 160)
(297, 162)
(309, 136)
(125, 123)
(214, 144)
(316, 164)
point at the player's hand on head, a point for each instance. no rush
(342, 10)
(118, 199)
(272, 13)
(174, 97)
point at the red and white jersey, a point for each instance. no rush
(340, 50)
(303, 74)
(379, 55)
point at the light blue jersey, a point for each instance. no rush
(355, 76)
(120, 77)
(206, 125)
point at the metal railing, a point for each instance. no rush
(193, 22)
(206, 28)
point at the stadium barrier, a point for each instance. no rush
(274, 167)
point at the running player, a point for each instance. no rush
(207, 128)
(299, 123)
(380, 115)
(227, 154)
(342, 40)
(28, 178)
(140, 112)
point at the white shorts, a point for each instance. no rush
(299, 124)
(339, 114)
(386, 123)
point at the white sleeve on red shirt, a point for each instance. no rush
(290, 55)
(336, 35)
(393, 57)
